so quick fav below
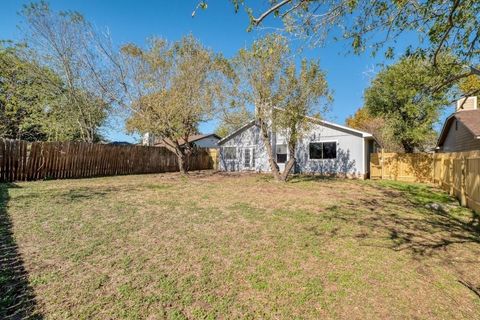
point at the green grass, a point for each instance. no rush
(244, 247)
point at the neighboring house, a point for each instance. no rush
(328, 148)
(461, 130)
(198, 140)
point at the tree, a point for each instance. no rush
(364, 121)
(31, 100)
(470, 86)
(175, 87)
(300, 92)
(269, 80)
(442, 26)
(68, 44)
(400, 95)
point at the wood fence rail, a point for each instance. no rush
(456, 172)
(21, 160)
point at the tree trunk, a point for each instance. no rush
(182, 157)
(408, 147)
(292, 146)
(271, 155)
(182, 163)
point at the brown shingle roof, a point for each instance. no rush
(470, 118)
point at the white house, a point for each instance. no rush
(328, 148)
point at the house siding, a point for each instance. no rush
(460, 139)
(250, 138)
(351, 151)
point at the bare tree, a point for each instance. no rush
(69, 45)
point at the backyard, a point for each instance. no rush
(222, 246)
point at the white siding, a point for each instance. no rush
(351, 151)
(248, 138)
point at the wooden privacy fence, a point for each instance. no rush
(401, 166)
(456, 172)
(21, 160)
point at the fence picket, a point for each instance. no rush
(21, 160)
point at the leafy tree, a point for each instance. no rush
(175, 87)
(30, 106)
(270, 80)
(470, 86)
(364, 121)
(68, 45)
(400, 95)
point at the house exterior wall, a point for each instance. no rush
(459, 138)
(208, 142)
(249, 138)
(351, 151)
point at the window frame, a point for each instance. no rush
(324, 141)
(286, 153)
(230, 159)
(249, 157)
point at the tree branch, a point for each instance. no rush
(257, 21)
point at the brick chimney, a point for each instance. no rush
(467, 103)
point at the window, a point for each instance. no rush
(281, 151)
(253, 157)
(230, 153)
(323, 150)
(456, 125)
(246, 156)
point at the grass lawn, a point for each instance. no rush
(214, 246)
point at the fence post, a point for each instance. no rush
(463, 196)
(433, 167)
(381, 164)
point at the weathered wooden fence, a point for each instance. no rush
(20, 160)
(456, 172)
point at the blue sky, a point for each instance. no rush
(218, 28)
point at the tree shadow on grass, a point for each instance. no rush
(398, 217)
(17, 300)
(424, 231)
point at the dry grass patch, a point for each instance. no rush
(240, 246)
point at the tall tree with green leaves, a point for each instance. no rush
(174, 87)
(31, 100)
(282, 95)
(400, 94)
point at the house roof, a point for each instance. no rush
(322, 122)
(193, 138)
(469, 118)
